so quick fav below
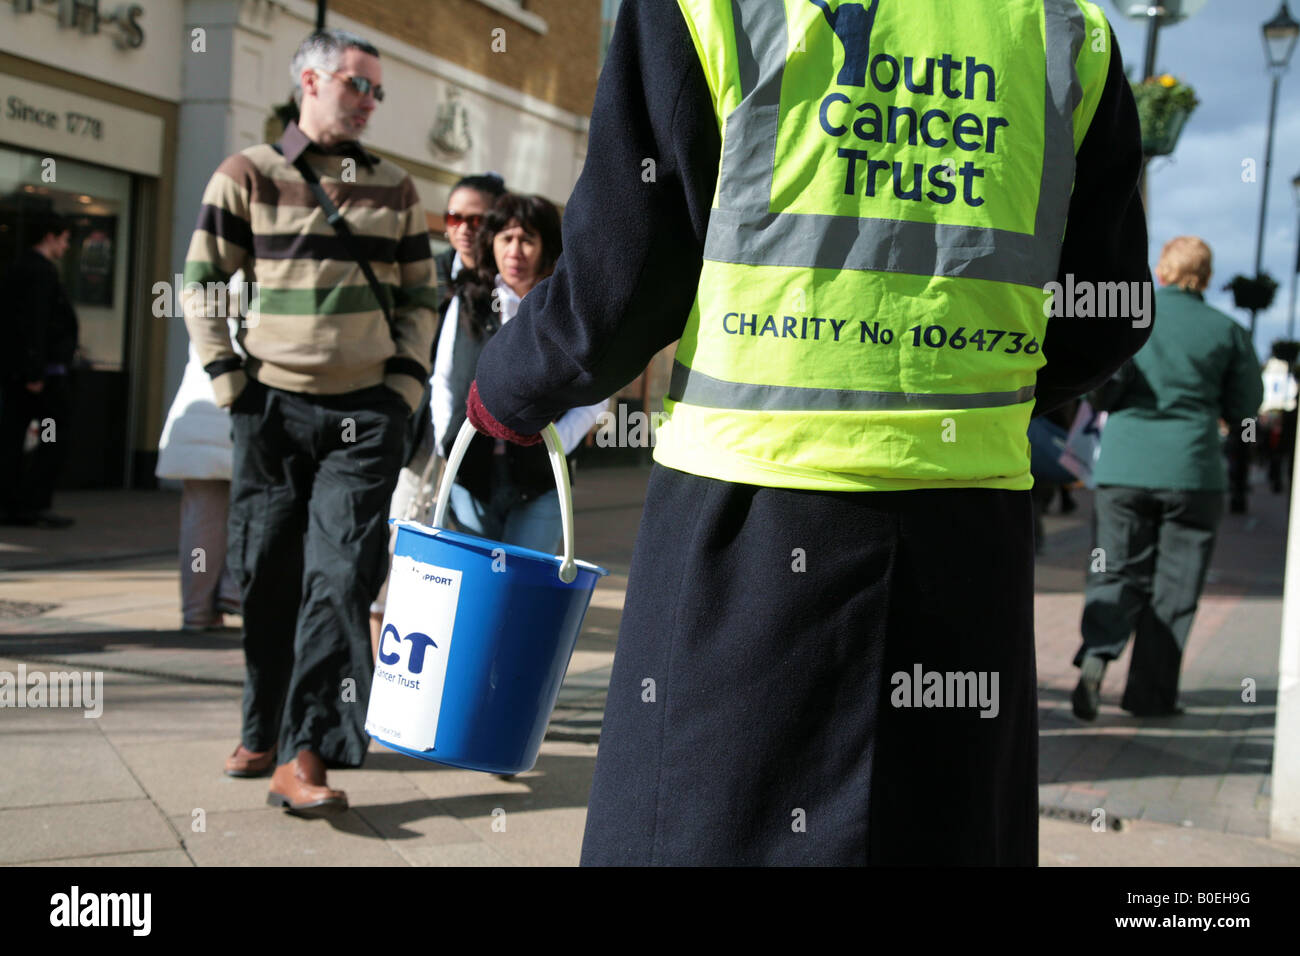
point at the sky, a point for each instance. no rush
(1199, 190)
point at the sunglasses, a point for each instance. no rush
(454, 219)
(359, 84)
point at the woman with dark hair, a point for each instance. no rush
(470, 199)
(503, 491)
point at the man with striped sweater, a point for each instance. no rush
(318, 409)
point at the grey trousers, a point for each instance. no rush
(207, 586)
(1156, 547)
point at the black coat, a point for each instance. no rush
(442, 265)
(746, 697)
(39, 324)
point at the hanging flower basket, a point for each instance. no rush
(1163, 104)
(1255, 294)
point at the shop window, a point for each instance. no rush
(97, 204)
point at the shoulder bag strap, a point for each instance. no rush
(346, 236)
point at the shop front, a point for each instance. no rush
(99, 156)
(116, 114)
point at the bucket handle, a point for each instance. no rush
(568, 568)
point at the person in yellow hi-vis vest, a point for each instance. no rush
(871, 226)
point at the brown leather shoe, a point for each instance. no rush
(299, 786)
(249, 763)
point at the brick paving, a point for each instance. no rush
(104, 596)
(1208, 768)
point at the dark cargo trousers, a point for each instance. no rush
(763, 707)
(308, 536)
(1156, 546)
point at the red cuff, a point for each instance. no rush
(482, 419)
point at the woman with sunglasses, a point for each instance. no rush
(503, 491)
(469, 200)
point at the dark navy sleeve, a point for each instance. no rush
(633, 231)
(1105, 241)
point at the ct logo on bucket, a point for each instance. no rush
(419, 643)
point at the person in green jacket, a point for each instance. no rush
(1160, 486)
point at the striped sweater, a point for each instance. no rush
(314, 325)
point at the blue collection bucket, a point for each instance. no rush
(477, 637)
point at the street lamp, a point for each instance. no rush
(1295, 276)
(1157, 14)
(1280, 35)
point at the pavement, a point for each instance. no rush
(141, 785)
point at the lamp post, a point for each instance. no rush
(1157, 14)
(1280, 35)
(1295, 274)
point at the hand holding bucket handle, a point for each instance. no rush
(568, 569)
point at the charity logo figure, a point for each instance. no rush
(852, 23)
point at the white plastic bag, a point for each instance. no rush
(1083, 444)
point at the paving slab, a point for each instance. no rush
(66, 767)
(540, 838)
(1121, 807)
(1144, 844)
(272, 837)
(1199, 790)
(111, 525)
(184, 775)
(151, 858)
(146, 710)
(438, 781)
(1247, 822)
(561, 779)
(451, 854)
(69, 830)
(380, 774)
(408, 817)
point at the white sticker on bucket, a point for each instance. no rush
(406, 695)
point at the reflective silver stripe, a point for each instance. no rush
(749, 146)
(883, 245)
(1064, 28)
(696, 388)
(744, 230)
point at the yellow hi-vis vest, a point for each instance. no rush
(892, 198)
